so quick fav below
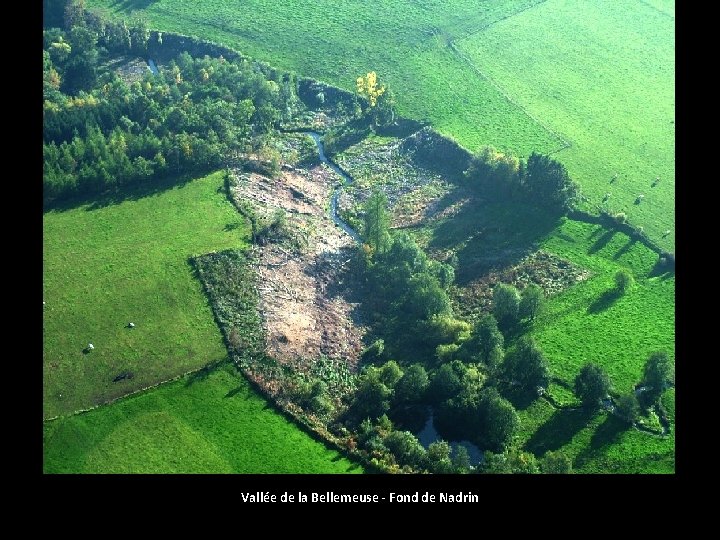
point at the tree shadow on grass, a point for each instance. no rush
(234, 392)
(601, 242)
(662, 269)
(128, 6)
(627, 247)
(231, 226)
(204, 372)
(595, 232)
(605, 435)
(559, 430)
(604, 301)
(149, 188)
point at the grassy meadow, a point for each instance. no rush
(590, 322)
(525, 75)
(215, 423)
(405, 41)
(604, 77)
(127, 261)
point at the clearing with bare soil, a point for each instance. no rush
(303, 301)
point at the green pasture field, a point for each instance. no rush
(589, 322)
(603, 75)
(404, 41)
(597, 444)
(596, 74)
(212, 424)
(106, 266)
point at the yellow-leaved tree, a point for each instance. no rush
(368, 86)
(380, 97)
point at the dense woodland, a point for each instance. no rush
(101, 133)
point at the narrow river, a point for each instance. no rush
(346, 179)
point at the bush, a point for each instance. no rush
(555, 463)
(506, 304)
(623, 280)
(628, 407)
(406, 448)
(532, 302)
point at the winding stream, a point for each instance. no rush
(346, 179)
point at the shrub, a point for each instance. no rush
(623, 280)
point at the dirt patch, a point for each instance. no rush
(552, 273)
(129, 69)
(303, 300)
(411, 190)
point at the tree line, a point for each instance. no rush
(540, 180)
(101, 132)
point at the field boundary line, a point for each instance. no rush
(174, 378)
(651, 6)
(505, 17)
(565, 143)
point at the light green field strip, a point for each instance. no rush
(406, 42)
(128, 262)
(602, 74)
(216, 424)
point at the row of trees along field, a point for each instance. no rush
(541, 180)
(423, 356)
(101, 132)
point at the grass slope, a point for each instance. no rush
(589, 322)
(603, 75)
(106, 266)
(598, 444)
(405, 41)
(211, 424)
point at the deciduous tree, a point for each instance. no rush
(592, 385)
(506, 304)
(531, 302)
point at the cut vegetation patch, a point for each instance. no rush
(300, 282)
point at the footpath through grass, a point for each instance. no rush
(215, 423)
(105, 266)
